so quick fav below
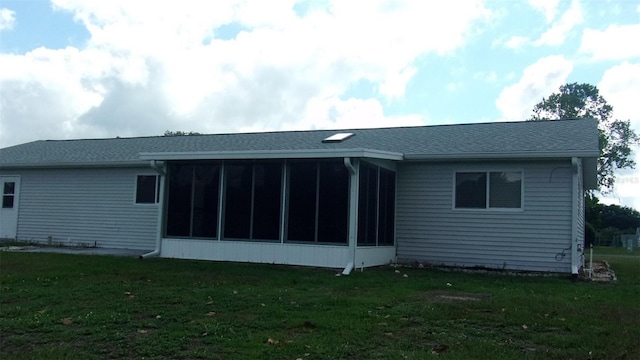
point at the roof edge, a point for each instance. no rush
(71, 165)
(273, 154)
(498, 155)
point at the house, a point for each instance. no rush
(496, 195)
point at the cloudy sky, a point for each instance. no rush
(86, 69)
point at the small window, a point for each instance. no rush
(147, 189)
(8, 195)
(488, 190)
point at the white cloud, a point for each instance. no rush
(559, 31)
(548, 7)
(516, 42)
(354, 113)
(620, 86)
(538, 80)
(488, 77)
(616, 42)
(7, 19)
(152, 66)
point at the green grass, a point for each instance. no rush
(55, 306)
(604, 251)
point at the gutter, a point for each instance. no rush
(274, 154)
(158, 166)
(74, 165)
(513, 155)
(353, 213)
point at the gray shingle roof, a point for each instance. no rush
(565, 138)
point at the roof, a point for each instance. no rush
(504, 140)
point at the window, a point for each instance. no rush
(8, 195)
(376, 206)
(488, 190)
(148, 189)
(192, 200)
(318, 202)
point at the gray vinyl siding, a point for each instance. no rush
(430, 230)
(86, 206)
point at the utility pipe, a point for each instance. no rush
(159, 167)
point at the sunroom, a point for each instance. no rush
(332, 211)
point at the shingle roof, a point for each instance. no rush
(503, 139)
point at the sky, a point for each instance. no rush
(90, 69)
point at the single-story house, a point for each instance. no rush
(506, 195)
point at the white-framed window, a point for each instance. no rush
(147, 189)
(488, 190)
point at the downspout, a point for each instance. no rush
(158, 166)
(575, 264)
(353, 213)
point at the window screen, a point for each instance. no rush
(505, 189)
(376, 206)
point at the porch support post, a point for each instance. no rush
(353, 213)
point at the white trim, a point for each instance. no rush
(74, 165)
(307, 254)
(272, 154)
(513, 155)
(576, 167)
(17, 189)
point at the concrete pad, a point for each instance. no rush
(79, 250)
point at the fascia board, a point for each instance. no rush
(71, 165)
(273, 154)
(502, 155)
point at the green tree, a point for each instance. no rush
(180, 133)
(607, 221)
(580, 101)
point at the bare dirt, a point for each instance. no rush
(601, 271)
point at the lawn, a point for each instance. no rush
(56, 306)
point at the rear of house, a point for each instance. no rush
(497, 195)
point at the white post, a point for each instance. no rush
(591, 261)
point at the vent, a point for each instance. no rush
(339, 137)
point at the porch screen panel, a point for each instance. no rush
(367, 205)
(386, 208)
(206, 185)
(238, 200)
(333, 208)
(302, 201)
(267, 199)
(179, 200)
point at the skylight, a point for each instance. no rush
(339, 137)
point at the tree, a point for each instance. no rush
(580, 101)
(180, 133)
(608, 221)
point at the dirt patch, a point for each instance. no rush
(16, 248)
(601, 272)
(453, 296)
